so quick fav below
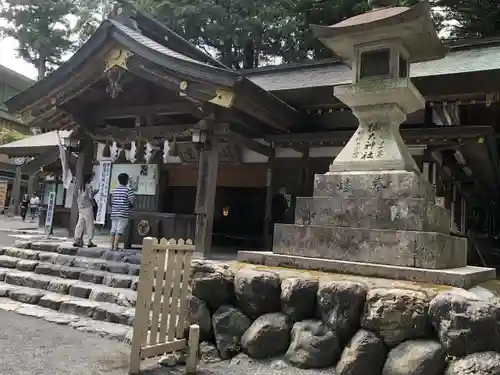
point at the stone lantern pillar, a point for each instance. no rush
(373, 213)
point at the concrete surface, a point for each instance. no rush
(463, 277)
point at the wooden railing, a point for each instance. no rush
(160, 312)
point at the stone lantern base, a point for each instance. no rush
(379, 224)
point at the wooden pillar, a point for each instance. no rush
(268, 231)
(205, 196)
(33, 183)
(463, 216)
(453, 208)
(434, 176)
(15, 195)
(426, 171)
(83, 165)
(304, 173)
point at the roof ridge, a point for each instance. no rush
(164, 35)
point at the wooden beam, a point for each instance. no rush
(248, 143)
(178, 107)
(408, 134)
(146, 133)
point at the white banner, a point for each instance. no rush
(102, 196)
(67, 176)
(51, 204)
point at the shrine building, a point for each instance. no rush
(235, 137)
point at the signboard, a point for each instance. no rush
(51, 204)
(3, 194)
(102, 195)
(143, 177)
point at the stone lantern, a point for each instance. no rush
(372, 213)
(379, 46)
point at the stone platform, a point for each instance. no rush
(462, 277)
(375, 223)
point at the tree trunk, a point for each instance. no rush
(41, 66)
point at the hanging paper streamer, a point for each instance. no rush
(148, 153)
(130, 154)
(166, 149)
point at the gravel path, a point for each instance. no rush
(30, 346)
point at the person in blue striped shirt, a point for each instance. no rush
(122, 200)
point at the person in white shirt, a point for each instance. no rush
(34, 205)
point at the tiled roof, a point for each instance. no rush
(335, 73)
(34, 145)
(150, 43)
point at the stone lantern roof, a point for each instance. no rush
(411, 25)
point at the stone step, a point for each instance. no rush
(413, 214)
(75, 288)
(67, 248)
(380, 246)
(112, 331)
(82, 262)
(27, 260)
(102, 311)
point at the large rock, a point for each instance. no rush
(340, 304)
(198, 313)
(229, 324)
(298, 298)
(365, 354)
(313, 345)
(486, 363)
(415, 357)
(212, 283)
(396, 315)
(464, 326)
(267, 337)
(257, 292)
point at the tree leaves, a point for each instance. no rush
(41, 28)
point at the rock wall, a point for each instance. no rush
(342, 324)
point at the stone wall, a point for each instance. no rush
(345, 325)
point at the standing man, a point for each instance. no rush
(122, 200)
(34, 204)
(279, 207)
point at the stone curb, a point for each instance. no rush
(112, 331)
(73, 261)
(66, 304)
(75, 288)
(27, 260)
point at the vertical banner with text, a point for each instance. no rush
(3, 194)
(51, 204)
(102, 196)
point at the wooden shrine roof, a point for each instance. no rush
(156, 60)
(478, 56)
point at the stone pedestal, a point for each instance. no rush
(378, 223)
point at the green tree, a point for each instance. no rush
(471, 18)
(42, 29)
(9, 135)
(278, 30)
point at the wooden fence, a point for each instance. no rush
(160, 312)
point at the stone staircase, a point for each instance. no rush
(92, 290)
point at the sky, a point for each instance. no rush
(8, 58)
